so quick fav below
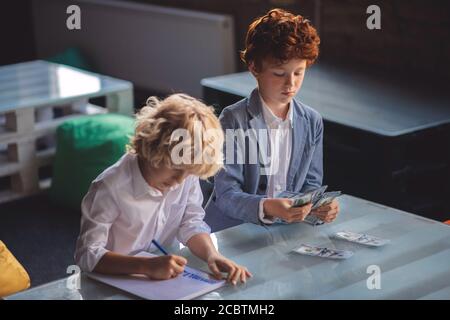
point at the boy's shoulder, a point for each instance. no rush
(308, 112)
(237, 110)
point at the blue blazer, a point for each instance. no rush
(238, 188)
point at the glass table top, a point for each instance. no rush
(40, 83)
(414, 265)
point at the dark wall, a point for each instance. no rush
(16, 32)
(414, 38)
(414, 35)
(242, 11)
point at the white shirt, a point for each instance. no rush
(280, 145)
(122, 213)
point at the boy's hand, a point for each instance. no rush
(218, 263)
(164, 267)
(327, 212)
(282, 208)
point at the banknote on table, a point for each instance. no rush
(323, 252)
(361, 238)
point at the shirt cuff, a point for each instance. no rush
(262, 216)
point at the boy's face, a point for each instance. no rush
(279, 83)
(164, 178)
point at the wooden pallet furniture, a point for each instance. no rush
(30, 93)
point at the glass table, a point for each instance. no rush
(352, 99)
(414, 265)
(40, 83)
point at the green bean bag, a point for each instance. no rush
(86, 146)
(71, 57)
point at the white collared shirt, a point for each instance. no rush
(122, 213)
(280, 145)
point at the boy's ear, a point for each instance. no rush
(252, 69)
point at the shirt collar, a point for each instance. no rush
(270, 118)
(140, 186)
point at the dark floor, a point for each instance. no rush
(41, 235)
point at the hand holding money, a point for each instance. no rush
(282, 208)
(325, 207)
(328, 211)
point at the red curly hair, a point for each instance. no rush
(282, 36)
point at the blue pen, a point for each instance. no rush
(159, 247)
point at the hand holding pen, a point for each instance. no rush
(163, 267)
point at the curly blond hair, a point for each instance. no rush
(155, 138)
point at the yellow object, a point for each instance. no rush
(13, 277)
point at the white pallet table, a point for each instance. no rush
(28, 93)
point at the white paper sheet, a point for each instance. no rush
(188, 285)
